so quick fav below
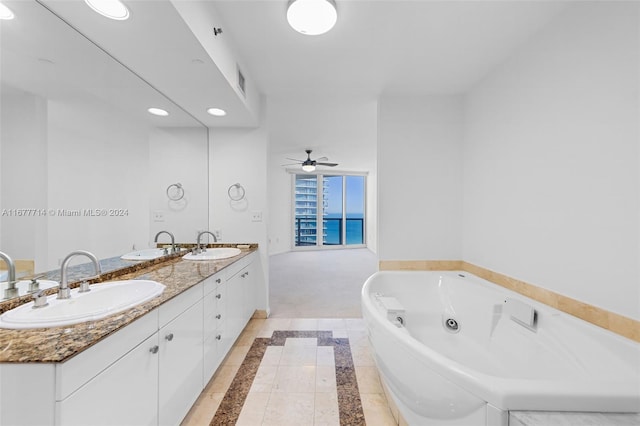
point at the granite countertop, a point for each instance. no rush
(58, 344)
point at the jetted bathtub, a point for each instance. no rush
(454, 349)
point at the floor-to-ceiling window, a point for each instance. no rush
(329, 210)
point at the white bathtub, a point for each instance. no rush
(492, 364)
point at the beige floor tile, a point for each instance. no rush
(355, 324)
(295, 379)
(223, 378)
(325, 356)
(203, 410)
(358, 337)
(331, 324)
(368, 380)
(263, 381)
(325, 379)
(326, 411)
(272, 355)
(271, 324)
(253, 409)
(298, 355)
(236, 355)
(362, 356)
(340, 334)
(376, 410)
(304, 324)
(289, 409)
(301, 341)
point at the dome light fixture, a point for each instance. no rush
(158, 111)
(308, 166)
(5, 12)
(312, 17)
(217, 112)
(112, 9)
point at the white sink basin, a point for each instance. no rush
(23, 286)
(214, 254)
(103, 300)
(146, 254)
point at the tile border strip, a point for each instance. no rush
(349, 404)
(616, 323)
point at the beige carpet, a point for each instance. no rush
(319, 284)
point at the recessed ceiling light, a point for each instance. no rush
(158, 111)
(5, 12)
(217, 112)
(312, 17)
(113, 9)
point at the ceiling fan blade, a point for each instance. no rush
(294, 159)
(327, 164)
(292, 164)
(321, 159)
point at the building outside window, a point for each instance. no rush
(329, 210)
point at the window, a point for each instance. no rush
(329, 210)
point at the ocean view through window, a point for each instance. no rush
(339, 202)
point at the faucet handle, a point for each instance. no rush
(84, 287)
(39, 300)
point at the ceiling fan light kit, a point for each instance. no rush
(309, 165)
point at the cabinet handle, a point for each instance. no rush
(218, 281)
(154, 349)
(218, 296)
(218, 316)
(169, 337)
(244, 275)
(218, 337)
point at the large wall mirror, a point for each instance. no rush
(83, 165)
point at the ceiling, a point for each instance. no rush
(381, 46)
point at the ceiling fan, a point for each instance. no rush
(309, 165)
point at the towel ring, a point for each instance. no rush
(175, 192)
(236, 192)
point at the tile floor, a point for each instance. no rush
(296, 376)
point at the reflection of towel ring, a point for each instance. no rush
(236, 192)
(175, 192)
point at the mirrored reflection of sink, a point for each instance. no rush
(146, 254)
(214, 254)
(103, 300)
(23, 287)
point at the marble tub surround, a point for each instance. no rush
(619, 324)
(61, 343)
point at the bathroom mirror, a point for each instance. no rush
(83, 164)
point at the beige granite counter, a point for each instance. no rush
(61, 343)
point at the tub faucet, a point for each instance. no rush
(198, 249)
(173, 240)
(64, 292)
(11, 290)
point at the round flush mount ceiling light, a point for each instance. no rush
(217, 112)
(5, 12)
(158, 111)
(113, 9)
(312, 17)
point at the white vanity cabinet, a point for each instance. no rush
(180, 356)
(148, 373)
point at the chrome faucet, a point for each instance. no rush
(64, 292)
(198, 249)
(173, 240)
(11, 290)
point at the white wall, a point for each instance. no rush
(178, 155)
(420, 178)
(551, 185)
(238, 156)
(344, 129)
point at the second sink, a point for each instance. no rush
(214, 254)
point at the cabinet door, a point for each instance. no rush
(181, 370)
(235, 305)
(214, 318)
(126, 393)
